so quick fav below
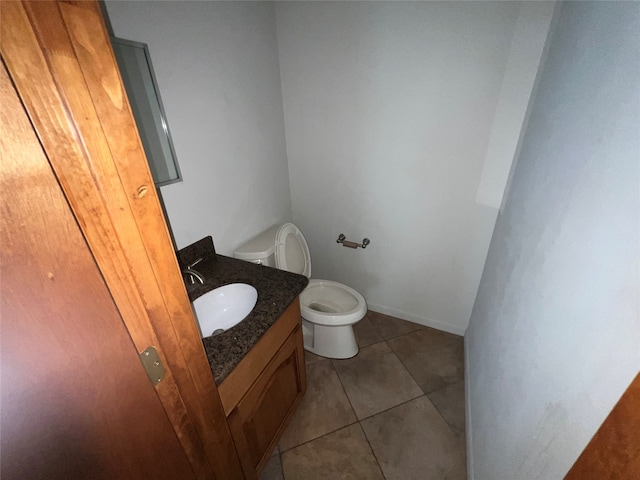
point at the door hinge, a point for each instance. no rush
(153, 365)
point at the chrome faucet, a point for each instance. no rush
(192, 274)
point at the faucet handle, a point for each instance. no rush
(197, 261)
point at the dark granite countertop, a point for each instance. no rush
(276, 290)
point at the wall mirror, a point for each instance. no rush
(140, 83)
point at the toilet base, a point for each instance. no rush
(329, 341)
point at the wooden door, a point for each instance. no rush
(59, 58)
(76, 401)
(614, 451)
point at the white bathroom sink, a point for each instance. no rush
(224, 307)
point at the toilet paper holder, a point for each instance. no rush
(347, 243)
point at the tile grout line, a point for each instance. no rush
(373, 452)
(358, 421)
(391, 408)
(384, 340)
(352, 423)
(339, 428)
(423, 392)
(401, 403)
(321, 436)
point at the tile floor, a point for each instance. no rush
(395, 411)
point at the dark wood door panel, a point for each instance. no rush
(60, 60)
(76, 402)
(614, 451)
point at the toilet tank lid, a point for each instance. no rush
(260, 246)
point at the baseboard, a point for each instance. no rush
(394, 312)
(467, 413)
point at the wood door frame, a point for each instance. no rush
(60, 60)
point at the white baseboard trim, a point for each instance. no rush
(394, 312)
(467, 413)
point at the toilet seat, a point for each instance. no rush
(292, 251)
(331, 303)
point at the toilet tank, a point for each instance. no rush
(260, 249)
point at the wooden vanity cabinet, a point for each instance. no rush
(264, 390)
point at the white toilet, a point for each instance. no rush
(329, 309)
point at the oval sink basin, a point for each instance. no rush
(224, 307)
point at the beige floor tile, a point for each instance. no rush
(449, 401)
(413, 442)
(344, 454)
(273, 470)
(324, 408)
(390, 327)
(375, 380)
(311, 358)
(434, 358)
(366, 333)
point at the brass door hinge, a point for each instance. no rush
(153, 365)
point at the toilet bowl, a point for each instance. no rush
(329, 309)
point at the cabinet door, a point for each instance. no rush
(261, 416)
(76, 402)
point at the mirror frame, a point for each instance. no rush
(160, 119)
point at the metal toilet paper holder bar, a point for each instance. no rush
(347, 243)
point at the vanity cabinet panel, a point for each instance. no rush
(235, 385)
(261, 416)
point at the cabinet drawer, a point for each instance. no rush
(260, 417)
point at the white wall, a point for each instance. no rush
(217, 68)
(389, 108)
(554, 338)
